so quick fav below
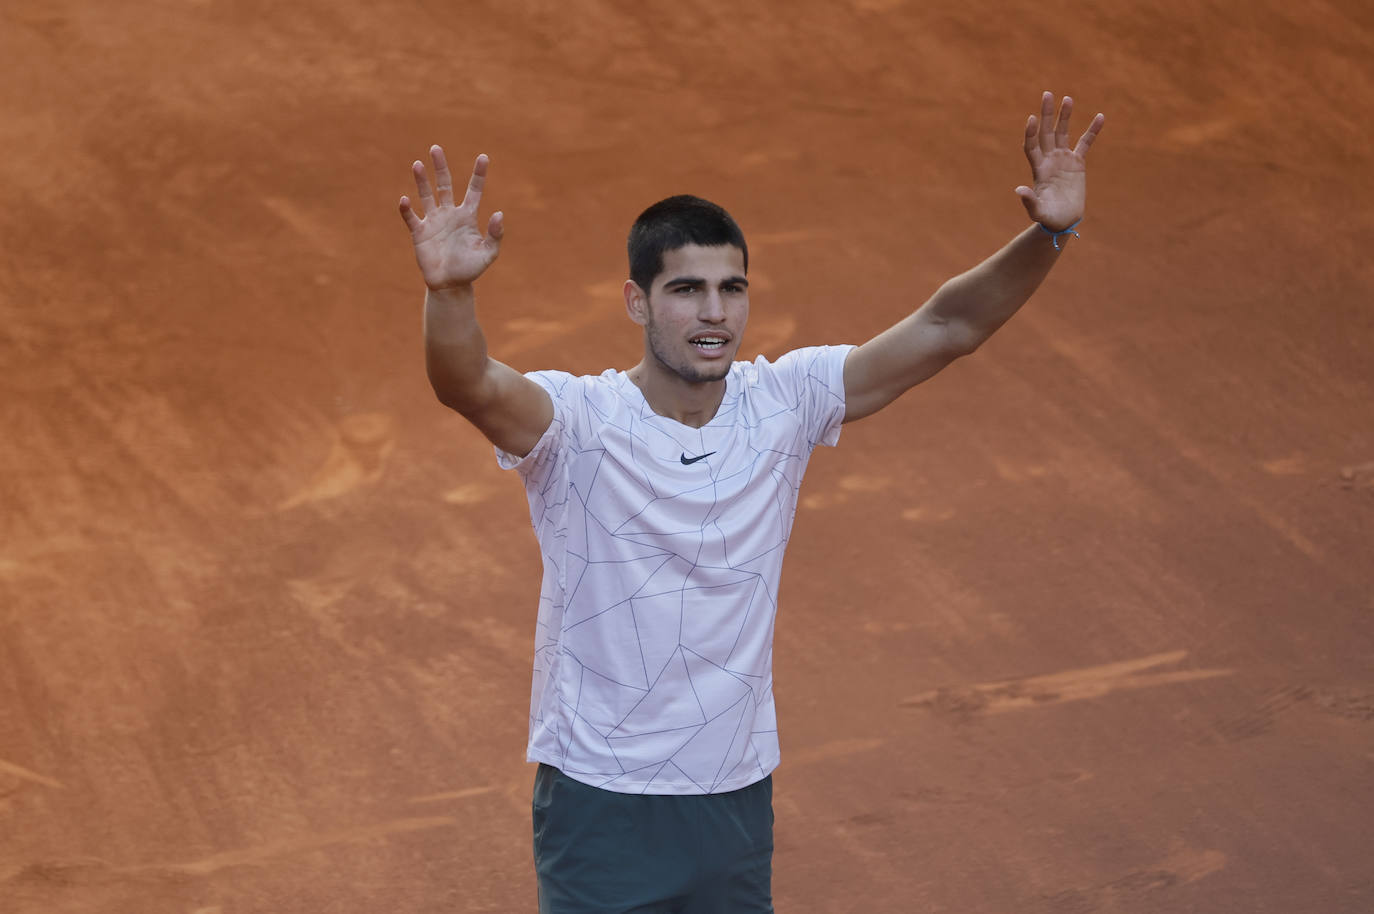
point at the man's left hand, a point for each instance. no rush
(1059, 173)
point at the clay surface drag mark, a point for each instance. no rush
(25, 774)
(358, 458)
(1261, 720)
(1058, 688)
(528, 334)
(853, 484)
(92, 871)
(1183, 866)
(453, 795)
(470, 493)
(252, 855)
(837, 748)
(1346, 702)
(1360, 476)
(1152, 412)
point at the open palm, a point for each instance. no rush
(1058, 193)
(449, 247)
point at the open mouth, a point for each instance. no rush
(708, 343)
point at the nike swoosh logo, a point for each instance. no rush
(688, 461)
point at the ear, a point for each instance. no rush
(636, 303)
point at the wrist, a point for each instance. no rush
(1057, 233)
(456, 293)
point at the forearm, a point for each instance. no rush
(972, 305)
(455, 347)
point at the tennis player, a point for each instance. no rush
(662, 497)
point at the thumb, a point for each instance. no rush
(496, 227)
(1027, 199)
(412, 221)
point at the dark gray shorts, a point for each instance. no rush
(620, 853)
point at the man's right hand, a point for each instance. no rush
(509, 408)
(450, 249)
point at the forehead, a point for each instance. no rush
(693, 260)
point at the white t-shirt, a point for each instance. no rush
(663, 547)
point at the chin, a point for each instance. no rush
(703, 374)
(690, 370)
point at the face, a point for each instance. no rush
(695, 312)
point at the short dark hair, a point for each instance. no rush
(675, 223)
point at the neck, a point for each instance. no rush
(691, 403)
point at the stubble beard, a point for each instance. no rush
(688, 372)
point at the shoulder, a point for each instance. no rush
(809, 364)
(563, 385)
(807, 383)
(584, 402)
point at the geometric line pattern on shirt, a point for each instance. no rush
(653, 663)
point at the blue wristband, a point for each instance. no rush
(1054, 236)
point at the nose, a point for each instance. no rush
(712, 308)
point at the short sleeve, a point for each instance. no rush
(817, 376)
(566, 394)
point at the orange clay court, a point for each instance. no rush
(1085, 624)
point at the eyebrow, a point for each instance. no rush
(699, 281)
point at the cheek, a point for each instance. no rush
(667, 320)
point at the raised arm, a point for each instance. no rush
(967, 309)
(510, 409)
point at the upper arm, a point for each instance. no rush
(899, 358)
(512, 411)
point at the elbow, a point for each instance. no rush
(954, 329)
(456, 397)
(458, 389)
(447, 398)
(962, 338)
(464, 403)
